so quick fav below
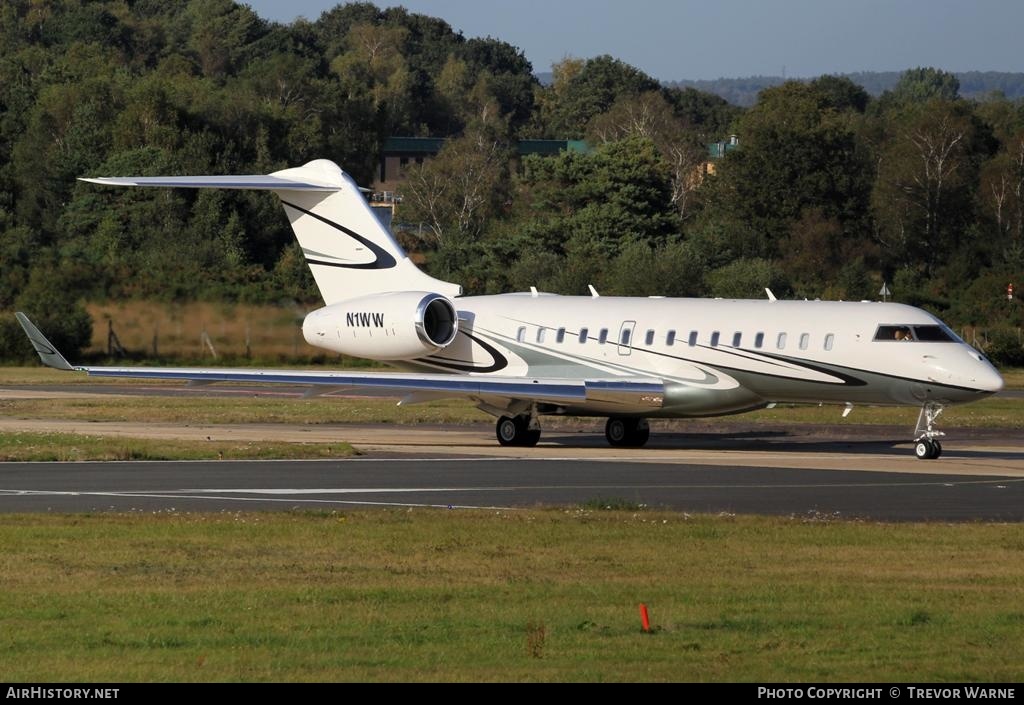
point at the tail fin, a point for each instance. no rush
(348, 249)
(50, 356)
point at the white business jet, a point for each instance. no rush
(521, 356)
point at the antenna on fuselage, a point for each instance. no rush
(593, 292)
(771, 296)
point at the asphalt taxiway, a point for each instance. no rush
(508, 483)
(703, 466)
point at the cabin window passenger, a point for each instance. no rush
(583, 335)
(805, 339)
(759, 340)
(737, 338)
(714, 339)
(829, 340)
(624, 336)
(670, 338)
(540, 334)
(780, 343)
(521, 334)
(560, 336)
(602, 338)
(693, 339)
(649, 338)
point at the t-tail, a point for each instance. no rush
(349, 251)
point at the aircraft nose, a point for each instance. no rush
(986, 378)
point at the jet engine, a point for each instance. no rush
(395, 326)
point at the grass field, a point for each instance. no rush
(498, 596)
(234, 330)
(998, 412)
(70, 446)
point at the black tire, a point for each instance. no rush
(938, 449)
(530, 438)
(925, 449)
(509, 431)
(641, 435)
(616, 431)
(515, 431)
(626, 433)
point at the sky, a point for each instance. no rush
(708, 39)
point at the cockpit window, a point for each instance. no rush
(888, 333)
(934, 334)
(924, 334)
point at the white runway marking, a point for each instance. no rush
(270, 494)
(181, 494)
(340, 490)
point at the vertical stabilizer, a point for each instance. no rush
(348, 249)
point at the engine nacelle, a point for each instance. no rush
(398, 326)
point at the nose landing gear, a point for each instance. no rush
(926, 445)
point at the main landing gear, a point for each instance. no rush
(627, 432)
(926, 445)
(521, 430)
(524, 430)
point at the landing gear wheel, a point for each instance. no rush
(927, 449)
(927, 446)
(515, 431)
(626, 432)
(615, 431)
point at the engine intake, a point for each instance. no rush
(396, 326)
(436, 321)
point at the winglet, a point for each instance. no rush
(47, 353)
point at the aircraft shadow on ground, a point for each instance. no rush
(779, 441)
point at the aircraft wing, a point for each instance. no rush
(627, 391)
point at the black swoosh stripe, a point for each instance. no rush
(383, 260)
(848, 379)
(926, 382)
(500, 362)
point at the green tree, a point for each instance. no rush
(582, 91)
(797, 151)
(922, 85)
(707, 114)
(621, 191)
(672, 269)
(746, 278)
(1001, 195)
(63, 319)
(650, 116)
(373, 63)
(454, 194)
(926, 179)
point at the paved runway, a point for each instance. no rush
(699, 466)
(505, 483)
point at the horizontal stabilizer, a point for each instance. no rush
(348, 248)
(253, 183)
(47, 353)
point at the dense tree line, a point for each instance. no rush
(976, 85)
(830, 193)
